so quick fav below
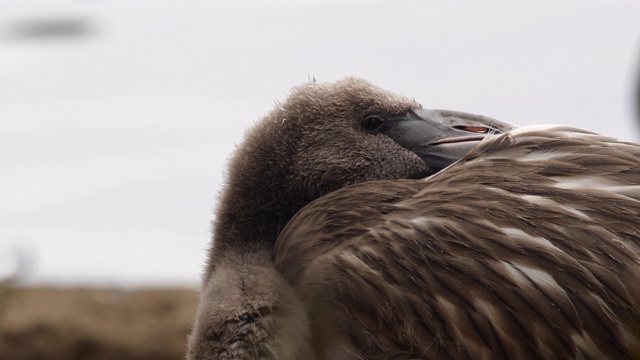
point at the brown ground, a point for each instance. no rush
(101, 324)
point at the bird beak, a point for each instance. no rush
(442, 137)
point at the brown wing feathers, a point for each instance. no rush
(501, 255)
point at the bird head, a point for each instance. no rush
(335, 134)
(326, 136)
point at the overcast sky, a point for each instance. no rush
(117, 117)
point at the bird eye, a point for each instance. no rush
(372, 123)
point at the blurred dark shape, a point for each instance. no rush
(50, 29)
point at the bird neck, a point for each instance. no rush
(255, 218)
(257, 201)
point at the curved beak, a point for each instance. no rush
(442, 137)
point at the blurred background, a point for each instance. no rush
(117, 117)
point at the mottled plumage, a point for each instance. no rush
(529, 247)
(334, 239)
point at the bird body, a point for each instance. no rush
(528, 247)
(357, 225)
